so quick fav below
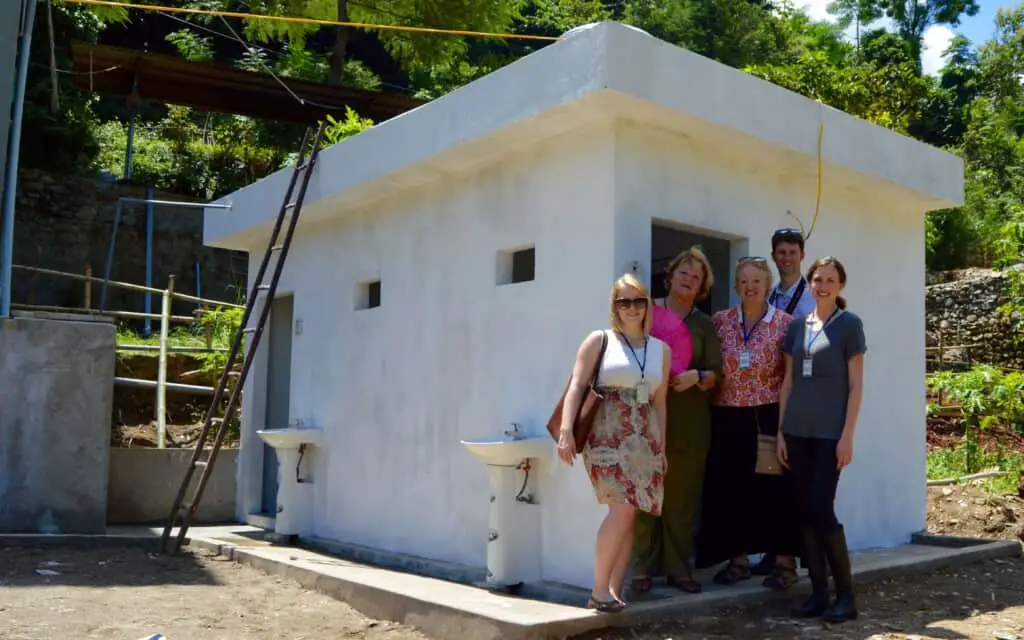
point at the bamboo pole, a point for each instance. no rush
(88, 287)
(161, 373)
(129, 286)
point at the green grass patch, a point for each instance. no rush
(953, 463)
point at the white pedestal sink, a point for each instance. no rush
(514, 520)
(294, 499)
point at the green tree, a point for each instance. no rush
(913, 17)
(414, 51)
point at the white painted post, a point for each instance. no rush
(161, 372)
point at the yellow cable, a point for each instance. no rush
(817, 203)
(327, 23)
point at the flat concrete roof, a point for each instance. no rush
(604, 72)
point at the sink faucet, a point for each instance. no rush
(514, 431)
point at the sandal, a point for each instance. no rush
(688, 585)
(640, 584)
(781, 578)
(610, 606)
(732, 573)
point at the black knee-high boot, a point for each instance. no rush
(844, 607)
(814, 560)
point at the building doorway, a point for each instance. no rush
(278, 393)
(668, 240)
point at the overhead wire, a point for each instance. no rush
(314, 21)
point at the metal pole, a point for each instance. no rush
(147, 329)
(199, 288)
(13, 156)
(161, 372)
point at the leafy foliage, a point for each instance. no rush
(988, 397)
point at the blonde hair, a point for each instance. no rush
(757, 263)
(630, 280)
(693, 255)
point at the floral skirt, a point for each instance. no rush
(625, 454)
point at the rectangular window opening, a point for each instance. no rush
(516, 265)
(368, 294)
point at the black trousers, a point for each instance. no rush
(742, 511)
(812, 464)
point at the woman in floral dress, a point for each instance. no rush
(624, 456)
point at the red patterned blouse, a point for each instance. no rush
(759, 380)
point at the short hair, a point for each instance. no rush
(790, 235)
(630, 280)
(693, 255)
(752, 261)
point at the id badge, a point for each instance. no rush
(643, 394)
(744, 359)
(808, 366)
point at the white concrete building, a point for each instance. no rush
(449, 261)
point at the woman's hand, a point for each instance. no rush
(566, 447)
(844, 452)
(685, 380)
(780, 450)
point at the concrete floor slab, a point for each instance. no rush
(447, 609)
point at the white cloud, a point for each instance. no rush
(816, 9)
(936, 40)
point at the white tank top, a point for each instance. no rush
(621, 369)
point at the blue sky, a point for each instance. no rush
(978, 28)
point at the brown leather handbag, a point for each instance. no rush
(767, 458)
(587, 412)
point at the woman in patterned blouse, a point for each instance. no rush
(747, 509)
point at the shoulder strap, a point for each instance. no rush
(796, 296)
(600, 358)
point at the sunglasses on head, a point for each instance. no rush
(626, 303)
(754, 259)
(788, 232)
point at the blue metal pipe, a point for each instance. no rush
(13, 156)
(199, 288)
(110, 256)
(147, 329)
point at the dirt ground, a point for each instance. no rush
(129, 594)
(970, 512)
(982, 602)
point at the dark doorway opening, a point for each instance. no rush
(669, 241)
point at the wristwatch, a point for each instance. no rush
(700, 377)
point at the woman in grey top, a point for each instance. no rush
(819, 403)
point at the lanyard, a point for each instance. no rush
(743, 325)
(811, 338)
(642, 365)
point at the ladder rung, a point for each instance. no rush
(200, 464)
(277, 247)
(185, 506)
(249, 330)
(291, 205)
(263, 287)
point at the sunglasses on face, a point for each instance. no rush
(626, 303)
